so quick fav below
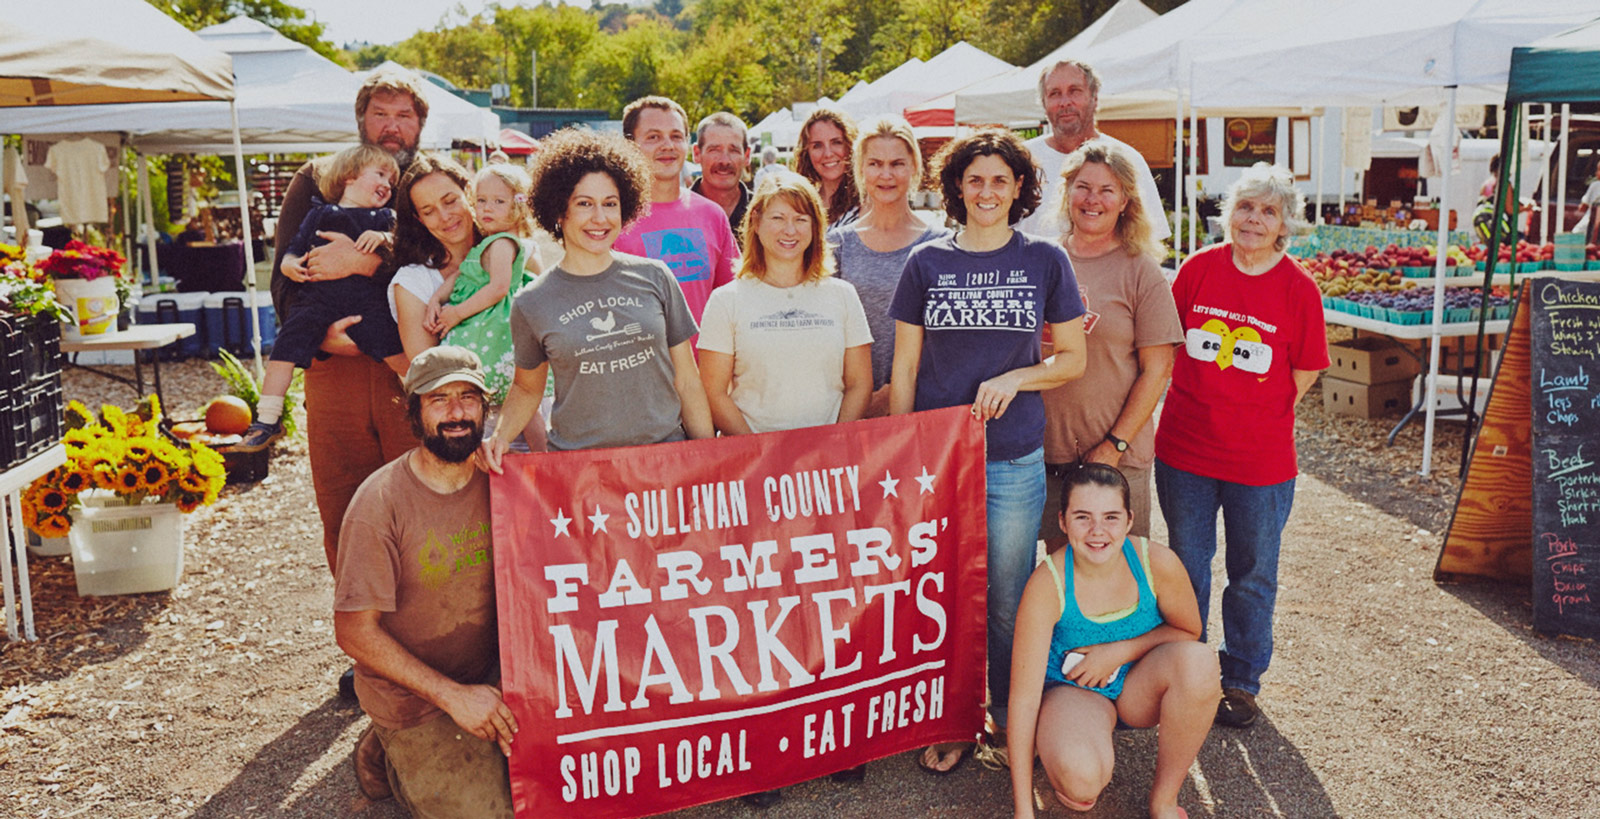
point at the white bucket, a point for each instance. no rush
(126, 549)
(92, 302)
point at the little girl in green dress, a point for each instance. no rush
(473, 308)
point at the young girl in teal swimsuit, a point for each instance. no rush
(1107, 630)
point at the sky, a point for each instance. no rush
(382, 22)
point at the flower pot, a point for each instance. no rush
(93, 304)
(126, 549)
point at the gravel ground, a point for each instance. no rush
(1390, 696)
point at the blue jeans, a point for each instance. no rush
(1013, 503)
(1253, 519)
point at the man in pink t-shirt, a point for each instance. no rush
(684, 229)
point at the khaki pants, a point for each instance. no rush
(355, 423)
(1139, 499)
(439, 771)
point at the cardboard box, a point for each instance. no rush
(1371, 360)
(1445, 398)
(1365, 400)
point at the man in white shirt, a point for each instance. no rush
(1070, 93)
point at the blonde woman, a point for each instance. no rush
(872, 250)
(1131, 329)
(785, 344)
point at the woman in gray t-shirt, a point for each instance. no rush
(872, 250)
(613, 328)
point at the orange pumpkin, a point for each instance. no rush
(228, 415)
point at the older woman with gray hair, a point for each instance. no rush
(1254, 342)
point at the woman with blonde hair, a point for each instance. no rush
(826, 139)
(1105, 416)
(785, 344)
(872, 251)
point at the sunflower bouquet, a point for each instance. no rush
(122, 456)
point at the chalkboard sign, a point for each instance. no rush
(1566, 456)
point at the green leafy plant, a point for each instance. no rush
(242, 384)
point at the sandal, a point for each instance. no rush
(940, 752)
(993, 752)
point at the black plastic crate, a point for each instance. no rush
(30, 421)
(245, 467)
(30, 351)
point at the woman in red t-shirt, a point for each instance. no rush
(1254, 342)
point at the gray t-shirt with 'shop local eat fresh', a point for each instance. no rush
(607, 339)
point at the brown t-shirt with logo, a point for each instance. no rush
(426, 561)
(1129, 305)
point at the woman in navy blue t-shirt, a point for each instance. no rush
(969, 314)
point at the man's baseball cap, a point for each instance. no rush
(438, 366)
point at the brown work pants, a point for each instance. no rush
(439, 771)
(355, 423)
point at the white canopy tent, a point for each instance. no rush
(861, 90)
(1014, 95)
(955, 67)
(1359, 52)
(290, 100)
(104, 51)
(86, 46)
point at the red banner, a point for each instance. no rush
(689, 622)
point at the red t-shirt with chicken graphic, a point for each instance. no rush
(1229, 413)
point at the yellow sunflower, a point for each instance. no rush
(51, 499)
(188, 503)
(129, 480)
(157, 478)
(138, 449)
(194, 482)
(74, 481)
(52, 525)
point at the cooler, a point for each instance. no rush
(227, 322)
(175, 308)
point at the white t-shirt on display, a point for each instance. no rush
(1044, 221)
(788, 346)
(80, 167)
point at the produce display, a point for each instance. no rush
(1415, 305)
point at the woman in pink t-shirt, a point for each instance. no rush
(1131, 327)
(1254, 343)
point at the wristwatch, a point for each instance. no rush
(1121, 445)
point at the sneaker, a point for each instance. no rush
(259, 436)
(1237, 709)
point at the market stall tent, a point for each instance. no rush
(955, 67)
(104, 51)
(1358, 52)
(1490, 533)
(290, 99)
(1014, 95)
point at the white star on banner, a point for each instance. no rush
(889, 483)
(597, 521)
(925, 482)
(561, 521)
